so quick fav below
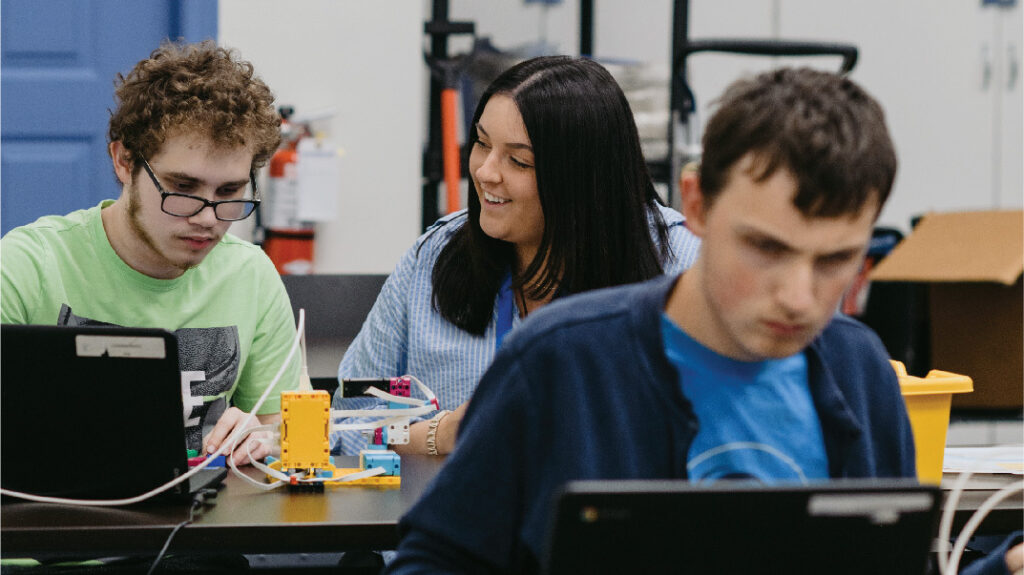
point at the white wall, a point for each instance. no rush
(959, 142)
(920, 58)
(364, 59)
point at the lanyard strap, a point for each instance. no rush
(506, 311)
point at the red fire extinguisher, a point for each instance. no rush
(287, 241)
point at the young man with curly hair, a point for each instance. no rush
(192, 125)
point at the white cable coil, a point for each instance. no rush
(386, 417)
(949, 562)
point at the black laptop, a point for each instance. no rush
(92, 413)
(849, 526)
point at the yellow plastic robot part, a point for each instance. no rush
(377, 481)
(305, 429)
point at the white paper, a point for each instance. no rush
(319, 180)
(995, 459)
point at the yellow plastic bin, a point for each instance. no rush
(928, 399)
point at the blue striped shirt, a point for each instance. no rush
(404, 334)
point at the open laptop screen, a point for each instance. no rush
(663, 526)
(90, 412)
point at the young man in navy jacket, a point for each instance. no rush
(739, 367)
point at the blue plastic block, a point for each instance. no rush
(389, 460)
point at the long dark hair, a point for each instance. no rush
(595, 192)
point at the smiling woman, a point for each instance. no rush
(501, 166)
(563, 204)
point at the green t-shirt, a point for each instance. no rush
(231, 313)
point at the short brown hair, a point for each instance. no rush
(194, 88)
(823, 128)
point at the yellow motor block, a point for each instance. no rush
(305, 429)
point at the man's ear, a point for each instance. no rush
(692, 198)
(123, 163)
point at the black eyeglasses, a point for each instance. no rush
(186, 206)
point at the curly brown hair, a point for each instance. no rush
(195, 89)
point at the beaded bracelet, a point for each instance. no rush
(432, 432)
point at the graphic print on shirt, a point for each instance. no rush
(744, 460)
(208, 359)
(756, 419)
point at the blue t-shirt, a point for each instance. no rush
(757, 419)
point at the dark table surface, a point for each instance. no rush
(243, 519)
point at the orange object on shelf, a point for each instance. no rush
(450, 148)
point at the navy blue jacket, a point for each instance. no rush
(584, 390)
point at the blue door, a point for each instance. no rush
(58, 60)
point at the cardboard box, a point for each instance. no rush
(973, 263)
